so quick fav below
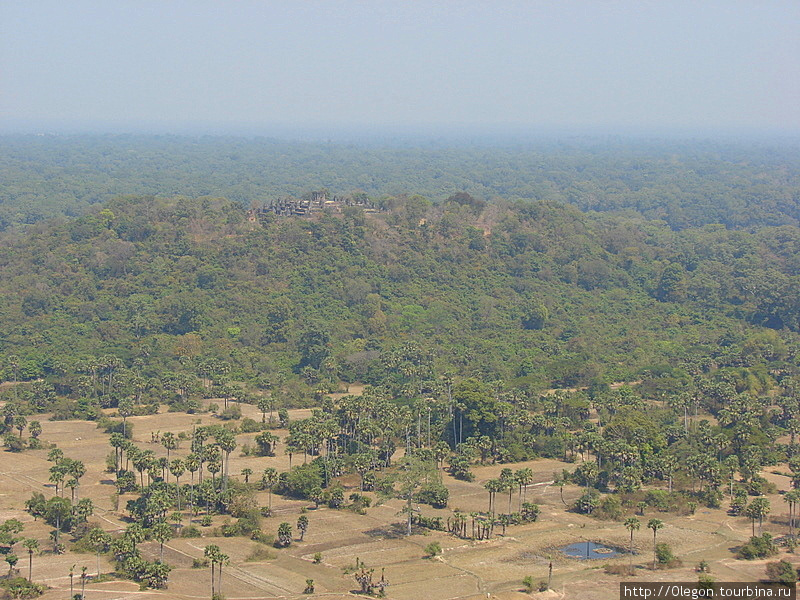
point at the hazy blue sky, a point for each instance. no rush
(174, 65)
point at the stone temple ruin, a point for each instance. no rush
(310, 203)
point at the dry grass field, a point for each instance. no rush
(465, 569)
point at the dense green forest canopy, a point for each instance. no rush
(738, 184)
(536, 294)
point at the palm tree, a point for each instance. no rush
(524, 477)
(227, 443)
(31, 545)
(177, 467)
(493, 486)
(793, 498)
(192, 464)
(758, 509)
(212, 553)
(83, 583)
(99, 541)
(655, 525)
(285, 534)
(268, 480)
(125, 410)
(302, 525)
(246, 472)
(20, 423)
(169, 441)
(161, 532)
(632, 524)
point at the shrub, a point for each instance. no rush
(231, 413)
(530, 512)
(336, 497)
(260, 553)
(758, 547)
(436, 494)
(249, 425)
(433, 549)
(19, 587)
(610, 508)
(190, 531)
(620, 570)
(588, 502)
(317, 558)
(782, 571)
(665, 557)
(527, 583)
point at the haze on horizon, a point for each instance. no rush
(446, 66)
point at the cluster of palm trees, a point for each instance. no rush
(509, 481)
(633, 524)
(216, 559)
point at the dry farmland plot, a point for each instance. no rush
(465, 569)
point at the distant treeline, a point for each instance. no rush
(742, 185)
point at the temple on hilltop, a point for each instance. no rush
(308, 204)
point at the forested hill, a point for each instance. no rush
(536, 294)
(740, 185)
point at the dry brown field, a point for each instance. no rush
(465, 570)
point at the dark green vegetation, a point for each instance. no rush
(156, 298)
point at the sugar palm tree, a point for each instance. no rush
(793, 498)
(655, 525)
(161, 532)
(523, 477)
(632, 524)
(99, 540)
(177, 467)
(212, 553)
(31, 545)
(302, 525)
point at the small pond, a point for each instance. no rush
(588, 550)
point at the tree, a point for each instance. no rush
(284, 535)
(31, 545)
(20, 423)
(177, 467)
(100, 542)
(35, 429)
(125, 410)
(11, 559)
(493, 486)
(523, 477)
(411, 474)
(169, 441)
(226, 441)
(162, 533)
(246, 472)
(302, 525)
(264, 404)
(632, 524)
(758, 509)
(214, 555)
(57, 511)
(268, 480)
(792, 497)
(655, 525)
